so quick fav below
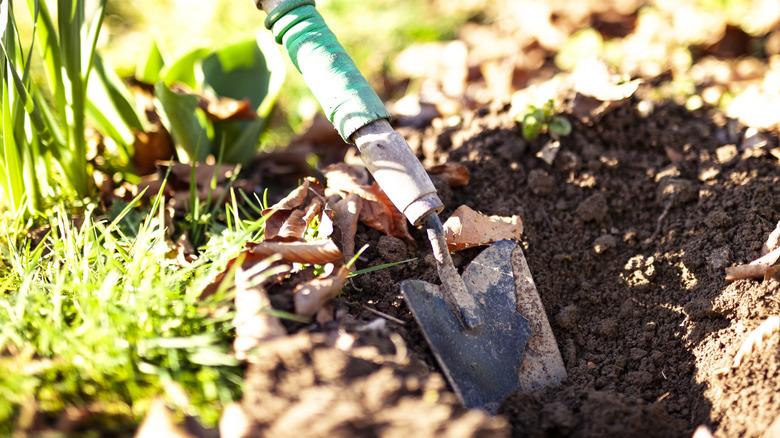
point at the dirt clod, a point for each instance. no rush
(676, 191)
(322, 385)
(567, 317)
(392, 249)
(540, 182)
(604, 243)
(593, 208)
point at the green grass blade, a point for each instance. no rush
(379, 267)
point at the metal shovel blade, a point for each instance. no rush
(482, 364)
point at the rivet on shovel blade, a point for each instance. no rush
(481, 364)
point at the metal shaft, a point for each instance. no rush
(452, 283)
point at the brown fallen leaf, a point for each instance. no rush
(319, 252)
(467, 228)
(454, 174)
(598, 90)
(293, 214)
(376, 209)
(309, 297)
(346, 214)
(756, 269)
(151, 147)
(382, 215)
(224, 108)
(252, 321)
(593, 78)
(343, 179)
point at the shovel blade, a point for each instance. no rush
(482, 364)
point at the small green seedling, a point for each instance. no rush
(543, 120)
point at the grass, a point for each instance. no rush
(93, 316)
(44, 122)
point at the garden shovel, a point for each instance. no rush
(487, 328)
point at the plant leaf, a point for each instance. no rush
(149, 70)
(110, 106)
(183, 70)
(181, 118)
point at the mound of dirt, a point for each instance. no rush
(322, 385)
(627, 234)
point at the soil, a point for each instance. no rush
(627, 234)
(340, 385)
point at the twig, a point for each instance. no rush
(660, 222)
(755, 269)
(384, 315)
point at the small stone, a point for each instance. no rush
(567, 161)
(676, 191)
(604, 243)
(567, 317)
(593, 208)
(754, 139)
(719, 258)
(708, 173)
(540, 182)
(725, 154)
(670, 171)
(392, 249)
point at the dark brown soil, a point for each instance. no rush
(627, 235)
(323, 386)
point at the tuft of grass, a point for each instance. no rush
(44, 123)
(94, 316)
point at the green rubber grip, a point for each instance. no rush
(346, 97)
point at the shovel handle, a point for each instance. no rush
(352, 106)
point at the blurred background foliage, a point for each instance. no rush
(372, 31)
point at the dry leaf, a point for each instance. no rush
(467, 228)
(293, 214)
(382, 215)
(159, 422)
(347, 213)
(309, 297)
(375, 210)
(254, 324)
(149, 148)
(454, 174)
(225, 108)
(342, 179)
(592, 78)
(293, 199)
(319, 252)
